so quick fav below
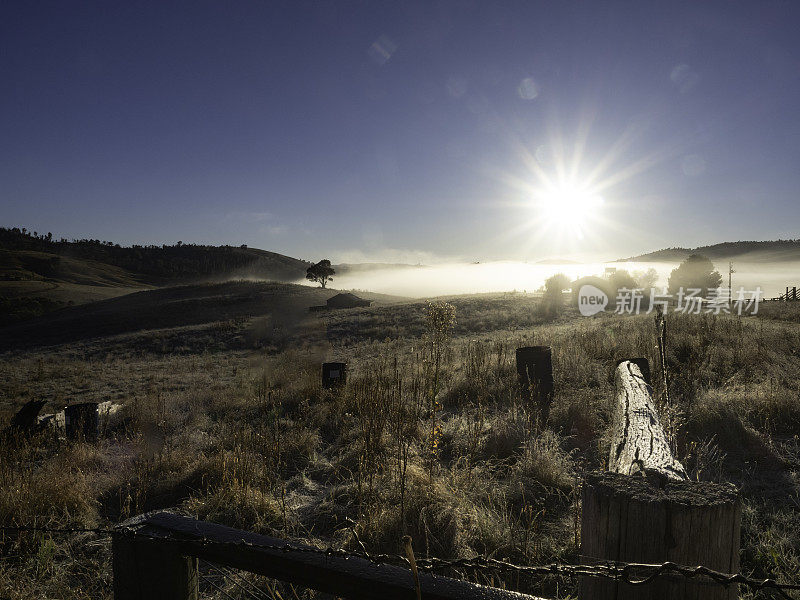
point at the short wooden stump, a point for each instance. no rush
(638, 519)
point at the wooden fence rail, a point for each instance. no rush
(644, 509)
(155, 557)
(791, 295)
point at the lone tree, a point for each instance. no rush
(622, 279)
(646, 279)
(554, 287)
(696, 272)
(322, 272)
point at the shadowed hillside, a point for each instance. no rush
(773, 251)
(167, 308)
(284, 305)
(39, 274)
(32, 256)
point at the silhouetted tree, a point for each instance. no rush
(646, 279)
(554, 287)
(322, 272)
(622, 279)
(698, 272)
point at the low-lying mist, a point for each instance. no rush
(466, 278)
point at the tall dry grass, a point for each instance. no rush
(429, 437)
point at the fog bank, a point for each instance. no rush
(465, 278)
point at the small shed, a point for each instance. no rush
(347, 300)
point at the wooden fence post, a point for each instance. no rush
(147, 569)
(645, 510)
(82, 421)
(535, 370)
(333, 374)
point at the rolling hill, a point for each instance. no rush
(26, 256)
(39, 274)
(771, 251)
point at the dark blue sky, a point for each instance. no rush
(391, 131)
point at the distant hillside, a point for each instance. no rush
(774, 251)
(30, 256)
(40, 274)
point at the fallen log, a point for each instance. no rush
(639, 444)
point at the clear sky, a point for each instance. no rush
(400, 130)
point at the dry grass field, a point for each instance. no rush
(222, 416)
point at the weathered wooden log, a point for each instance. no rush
(642, 363)
(638, 443)
(535, 371)
(645, 510)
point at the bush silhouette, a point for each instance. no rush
(622, 279)
(696, 272)
(554, 287)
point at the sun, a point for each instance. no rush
(567, 207)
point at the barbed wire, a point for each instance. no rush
(37, 529)
(625, 572)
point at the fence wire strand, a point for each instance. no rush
(245, 584)
(629, 573)
(214, 584)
